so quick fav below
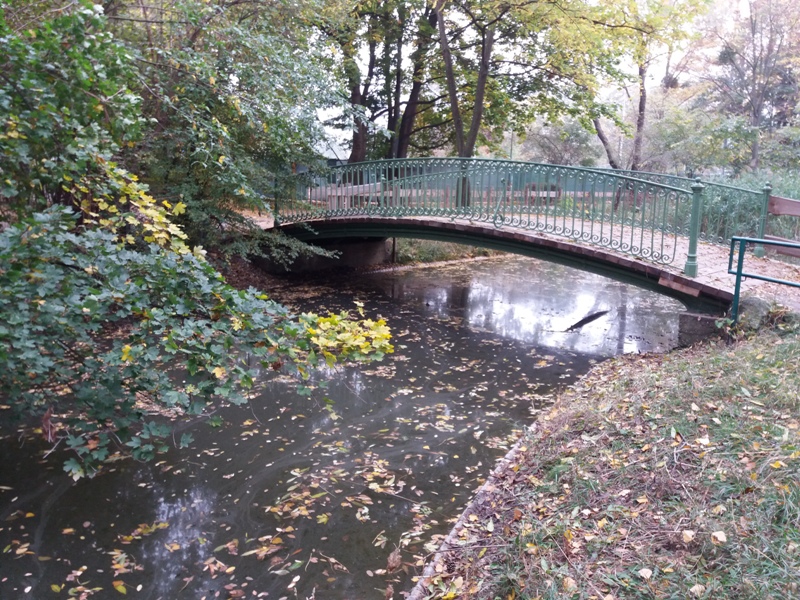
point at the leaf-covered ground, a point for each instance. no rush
(674, 476)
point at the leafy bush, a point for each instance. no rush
(95, 336)
(67, 104)
(785, 183)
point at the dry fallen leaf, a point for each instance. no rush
(394, 561)
(688, 535)
(719, 537)
(645, 574)
(697, 590)
(569, 584)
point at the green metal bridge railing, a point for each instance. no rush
(727, 210)
(626, 213)
(737, 250)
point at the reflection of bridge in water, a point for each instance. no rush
(663, 232)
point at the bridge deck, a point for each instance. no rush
(712, 280)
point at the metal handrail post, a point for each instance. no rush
(758, 250)
(739, 268)
(690, 269)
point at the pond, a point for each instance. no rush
(341, 494)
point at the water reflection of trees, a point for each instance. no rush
(536, 302)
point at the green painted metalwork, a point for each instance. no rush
(762, 221)
(690, 269)
(738, 246)
(608, 209)
(727, 210)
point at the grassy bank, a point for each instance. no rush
(411, 251)
(673, 476)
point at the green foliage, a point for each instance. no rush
(211, 118)
(233, 99)
(564, 142)
(105, 315)
(540, 60)
(701, 140)
(426, 251)
(67, 106)
(95, 336)
(785, 183)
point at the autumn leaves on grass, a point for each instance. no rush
(655, 477)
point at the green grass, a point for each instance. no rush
(411, 251)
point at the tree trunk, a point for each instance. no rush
(409, 117)
(636, 158)
(755, 149)
(465, 144)
(613, 159)
(480, 92)
(358, 151)
(452, 90)
(359, 97)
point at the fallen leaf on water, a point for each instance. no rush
(394, 561)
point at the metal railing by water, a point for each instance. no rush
(608, 209)
(738, 246)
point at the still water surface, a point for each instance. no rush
(307, 497)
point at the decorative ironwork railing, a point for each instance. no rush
(727, 210)
(631, 215)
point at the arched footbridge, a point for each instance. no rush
(667, 233)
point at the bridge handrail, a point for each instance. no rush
(610, 209)
(618, 173)
(647, 175)
(729, 210)
(739, 244)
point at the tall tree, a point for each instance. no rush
(753, 70)
(384, 80)
(507, 62)
(656, 29)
